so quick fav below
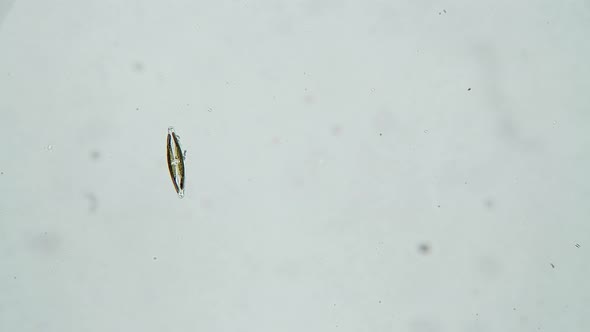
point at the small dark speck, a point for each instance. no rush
(380, 134)
(424, 248)
(578, 245)
(439, 206)
(445, 11)
(334, 304)
(155, 258)
(552, 265)
(379, 301)
(513, 309)
(210, 110)
(1, 173)
(137, 108)
(469, 89)
(14, 277)
(439, 13)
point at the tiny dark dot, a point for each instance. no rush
(578, 245)
(552, 265)
(469, 89)
(137, 108)
(1, 172)
(15, 278)
(379, 301)
(513, 309)
(439, 206)
(380, 134)
(154, 258)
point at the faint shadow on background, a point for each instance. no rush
(5, 7)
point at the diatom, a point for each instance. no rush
(175, 161)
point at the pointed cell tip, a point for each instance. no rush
(181, 194)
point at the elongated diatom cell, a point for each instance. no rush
(175, 161)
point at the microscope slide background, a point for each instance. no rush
(414, 166)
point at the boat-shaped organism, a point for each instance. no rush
(175, 161)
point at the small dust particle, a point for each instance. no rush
(14, 277)
(380, 134)
(439, 206)
(426, 131)
(513, 309)
(155, 258)
(469, 89)
(137, 108)
(578, 245)
(210, 110)
(552, 265)
(379, 301)
(445, 11)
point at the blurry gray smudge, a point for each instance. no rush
(489, 203)
(491, 68)
(489, 267)
(424, 325)
(5, 7)
(424, 248)
(46, 242)
(138, 67)
(92, 202)
(95, 155)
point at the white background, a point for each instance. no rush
(352, 165)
